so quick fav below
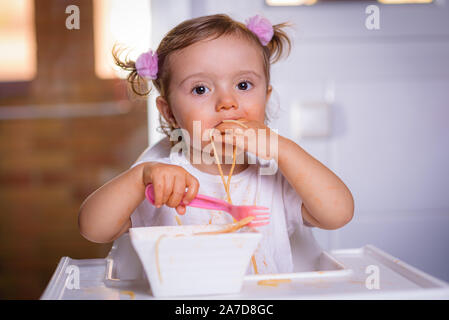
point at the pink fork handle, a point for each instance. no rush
(205, 202)
(200, 201)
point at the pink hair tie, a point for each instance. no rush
(261, 27)
(147, 65)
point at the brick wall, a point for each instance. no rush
(48, 166)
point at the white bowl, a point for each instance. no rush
(193, 264)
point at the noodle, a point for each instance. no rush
(232, 227)
(130, 293)
(237, 122)
(157, 257)
(253, 260)
(227, 184)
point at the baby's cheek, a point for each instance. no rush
(256, 111)
(261, 112)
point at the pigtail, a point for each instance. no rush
(279, 43)
(137, 84)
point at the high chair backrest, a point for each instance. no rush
(160, 149)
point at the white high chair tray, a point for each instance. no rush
(396, 280)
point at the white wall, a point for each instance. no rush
(390, 113)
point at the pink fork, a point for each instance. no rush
(260, 214)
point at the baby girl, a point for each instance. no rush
(207, 71)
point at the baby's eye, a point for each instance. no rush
(200, 90)
(244, 85)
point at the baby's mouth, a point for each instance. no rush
(238, 119)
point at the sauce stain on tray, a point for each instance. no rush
(130, 293)
(272, 282)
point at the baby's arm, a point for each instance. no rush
(327, 202)
(106, 214)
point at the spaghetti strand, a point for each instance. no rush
(228, 183)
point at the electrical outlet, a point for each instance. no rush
(310, 119)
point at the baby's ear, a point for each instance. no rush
(164, 109)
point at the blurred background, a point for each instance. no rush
(365, 91)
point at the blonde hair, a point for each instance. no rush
(190, 32)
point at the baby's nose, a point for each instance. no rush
(226, 101)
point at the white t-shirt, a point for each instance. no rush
(287, 244)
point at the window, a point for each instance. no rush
(311, 2)
(17, 41)
(125, 22)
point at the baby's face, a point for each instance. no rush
(215, 80)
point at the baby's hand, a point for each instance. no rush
(252, 136)
(169, 185)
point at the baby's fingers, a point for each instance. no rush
(158, 189)
(179, 188)
(168, 189)
(193, 186)
(181, 209)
